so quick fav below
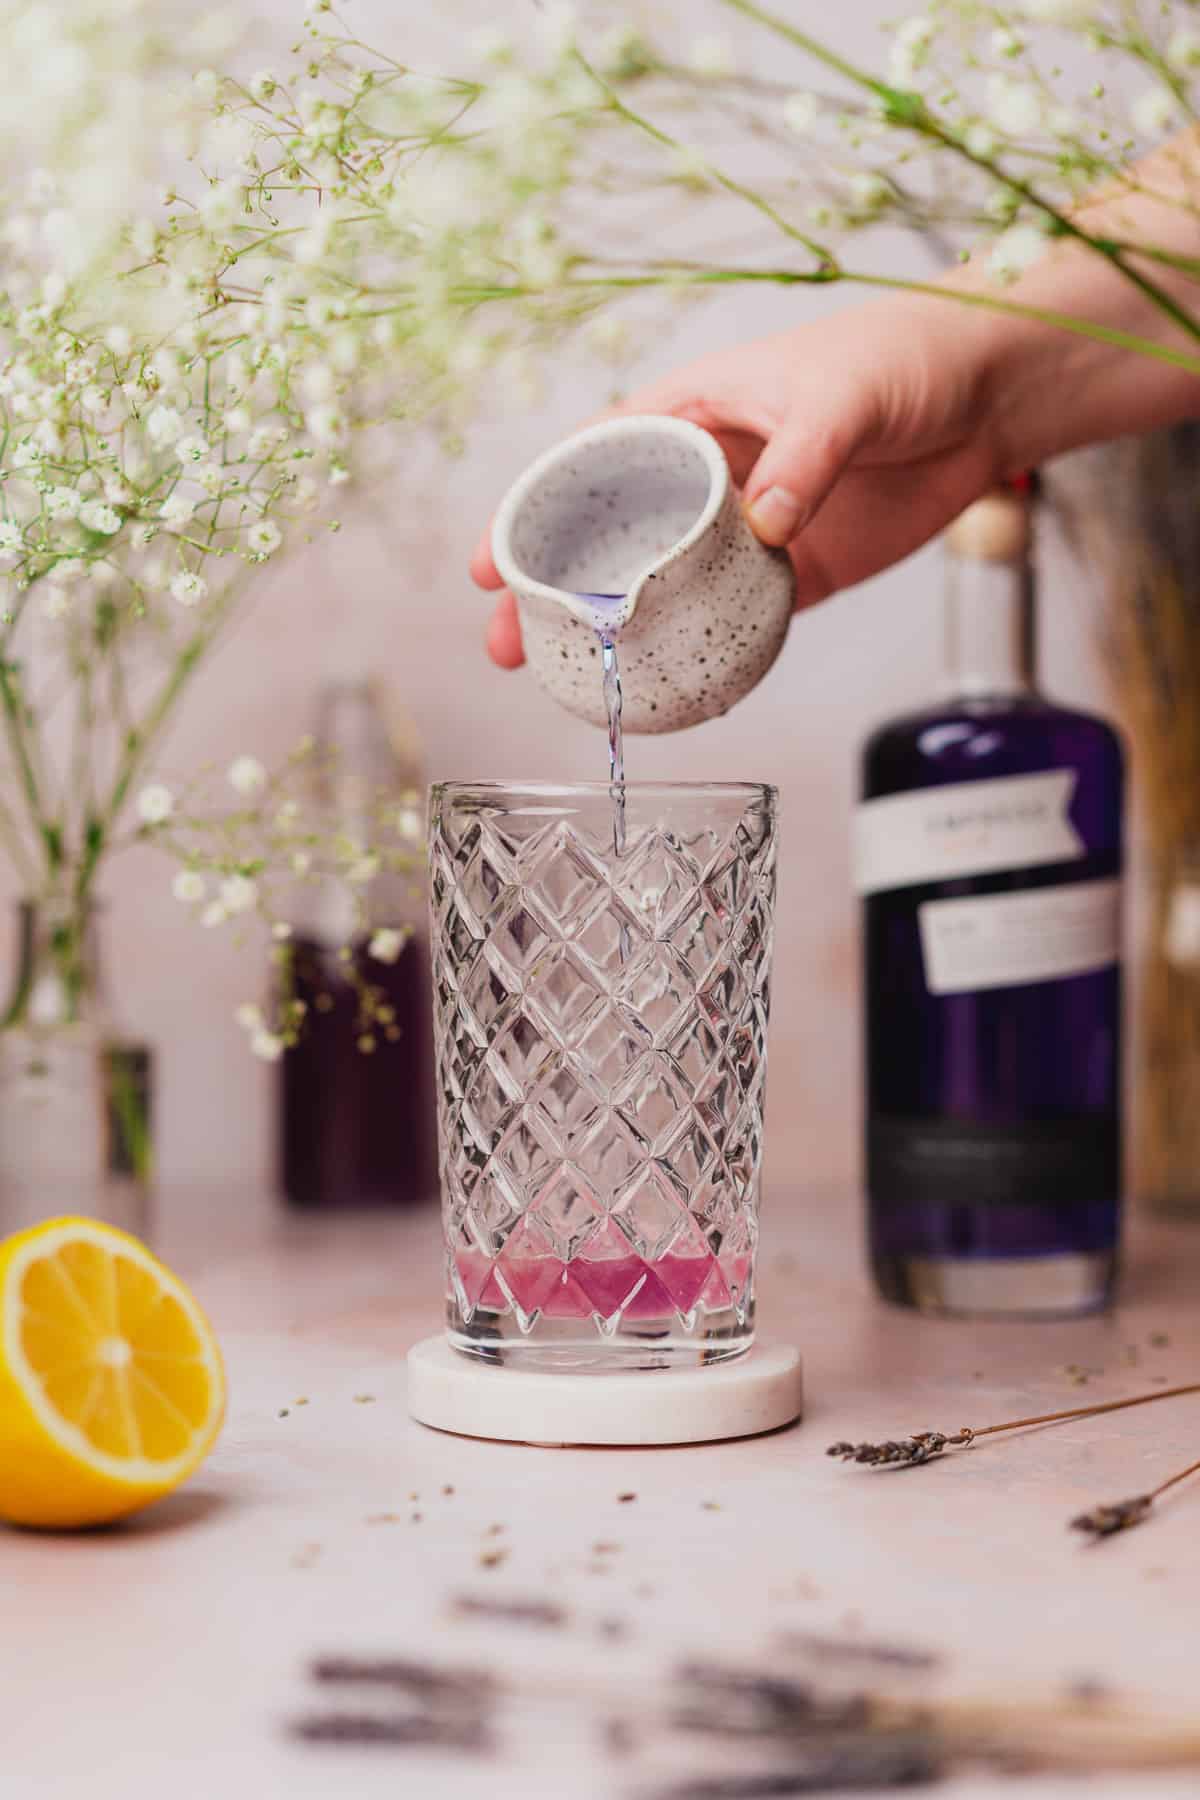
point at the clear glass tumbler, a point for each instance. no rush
(601, 1028)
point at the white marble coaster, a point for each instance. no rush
(754, 1393)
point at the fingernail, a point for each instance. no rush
(775, 515)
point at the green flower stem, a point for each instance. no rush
(911, 110)
(685, 275)
(12, 710)
(616, 105)
(1100, 334)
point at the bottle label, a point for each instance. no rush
(1045, 1163)
(1011, 940)
(966, 828)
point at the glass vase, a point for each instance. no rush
(600, 1024)
(75, 1094)
(1167, 1041)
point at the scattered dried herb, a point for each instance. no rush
(923, 1446)
(492, 1559)
(1159, 1339)
(613, 1631)
(1122, 1515)
(495, 1530)
(802, 1738)
(364, 1399)
(625, 1499)
(857, 1763)
(604, 1548)
(406, 1674)
(833, 1649)
(619, 1736)
(369, 1728)
(710, 1506)
(416, 1518)
(447, 1489)
(282, 1413)
(545, 1614)
(302, 1401)
(383, 1518)
(718, 1698)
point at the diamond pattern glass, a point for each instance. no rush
(601, 1022)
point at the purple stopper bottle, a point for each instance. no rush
(989, 861)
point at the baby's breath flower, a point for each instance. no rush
(1005, 42)
(192, 448)
(189, 887)
(264, 538)
(281, 931)
(801, 112)
(155, 804)
(1183, 49)
(119, 340)
(12, 542)
(410, 824)
(980, 140)
(189, 589)
(247, 775)
(67, 570)
(386, 944)
(1059, 12)
(177, 509)
(213, 915)
(239, 894)
(164, 426)
(869, 192)
(1016, 251)
(363, 869)
(301, 862)
(1014, 106)
(248, 1015)
(325, 423)
(264, 442)
(712, 56)
(262, 85)
(61, 502)
(267, 1045)
(1154, 111)
(98, 516)
(910, 48)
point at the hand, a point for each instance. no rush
(854, 439)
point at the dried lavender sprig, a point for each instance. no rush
(923, 1446)
(1122, 1515)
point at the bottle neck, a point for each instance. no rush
(989, 627)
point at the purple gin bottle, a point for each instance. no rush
(989, 861)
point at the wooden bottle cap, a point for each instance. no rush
(995, 529)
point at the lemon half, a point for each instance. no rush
(112, 1390)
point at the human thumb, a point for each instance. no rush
(797, 470)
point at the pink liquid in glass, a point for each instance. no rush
(603, 1286)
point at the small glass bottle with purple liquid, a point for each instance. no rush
(357, 1123)
(989, 850)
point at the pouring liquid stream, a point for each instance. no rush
(612, 706)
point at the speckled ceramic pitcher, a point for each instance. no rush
(632, 529)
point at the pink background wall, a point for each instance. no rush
(392, 592)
